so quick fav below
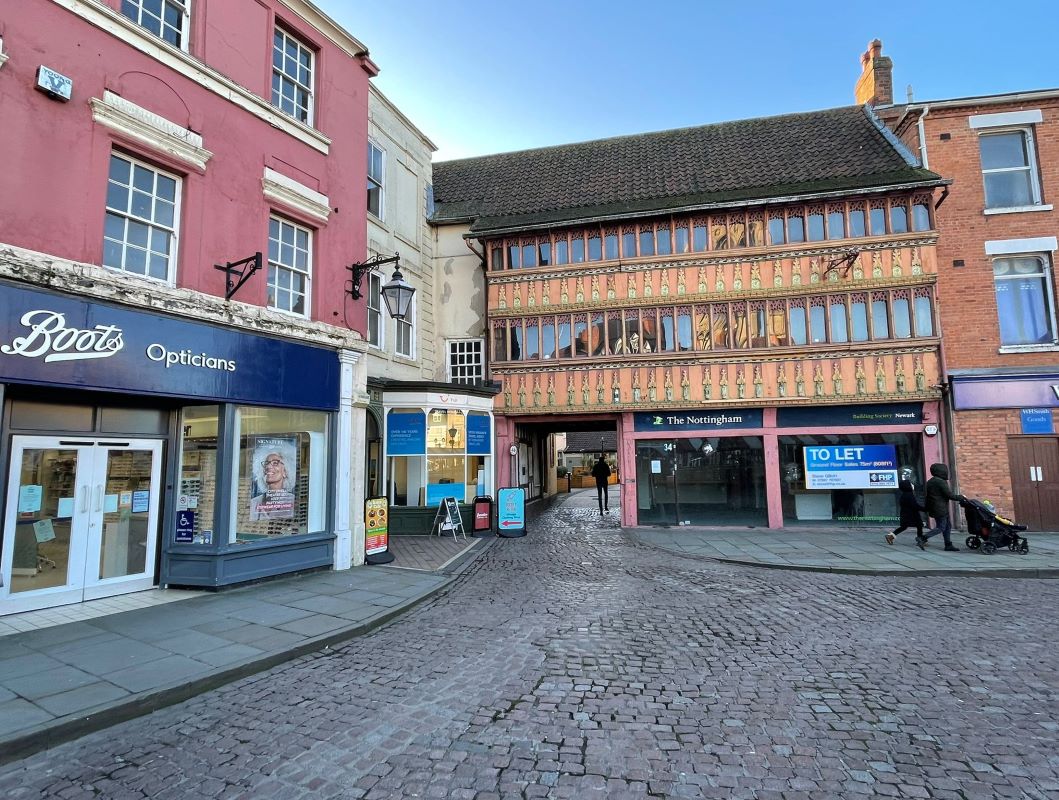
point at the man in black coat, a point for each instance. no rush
(939, 495)
(601, 472)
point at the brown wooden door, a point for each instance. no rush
(1046, 453)
(1021, 459)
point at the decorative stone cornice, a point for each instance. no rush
(150, 129)
(298, 196)
(91, 282)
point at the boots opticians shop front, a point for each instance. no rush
(139, 449)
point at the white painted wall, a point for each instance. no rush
(459, 291)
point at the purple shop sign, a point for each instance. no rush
(1006, 393)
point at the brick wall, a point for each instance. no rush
(982, 455)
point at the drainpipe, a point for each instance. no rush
(923, 137)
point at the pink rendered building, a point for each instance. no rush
(163, 420)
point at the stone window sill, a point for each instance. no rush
(1030, 348)
(1017, 209)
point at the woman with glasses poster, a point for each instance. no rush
(275, 470)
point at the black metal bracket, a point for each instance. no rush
(843, 262)
(232, 269)
(357, 271)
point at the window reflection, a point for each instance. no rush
(647, 242)
(628, 245)
(878, 221)
(610, 246)
(839, 332)
(901, 321)
(816, 227)
(836, 225)
(859, 317)
(795, 228)
(856, 223)
(898, 219)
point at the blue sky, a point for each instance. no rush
(486, 77)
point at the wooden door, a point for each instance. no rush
(1046, 454)
(1022, 462)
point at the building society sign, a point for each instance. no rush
(872, 466)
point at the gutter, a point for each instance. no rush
(988, 100)
(923, 136)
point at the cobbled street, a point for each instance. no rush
(574, 663)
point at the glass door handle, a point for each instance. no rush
(99, 498)
(84, 498)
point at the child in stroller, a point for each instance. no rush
(989, 531)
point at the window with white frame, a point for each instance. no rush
(289, 266)
(1009, 169)
(466, 360)
(376, 328)
(292, 76)
(405, 342)
(140, 228)
(375, 176)
(166, 19)
(1024, 295)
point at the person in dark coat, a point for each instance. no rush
(601, 472)
(939, 495)
(910, 512)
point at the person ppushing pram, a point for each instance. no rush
(988, 531)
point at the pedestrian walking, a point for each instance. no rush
(910, 512)
(601, 472)
(939, 495)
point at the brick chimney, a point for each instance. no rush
(875, 84)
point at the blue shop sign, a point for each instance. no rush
(644, 421)
(511, 510)
(1037, 420)
(831, 416)
(858, 466)
(478, 438)
(55, 340)
(406, 434)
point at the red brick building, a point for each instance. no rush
(996, 282)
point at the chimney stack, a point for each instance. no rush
(875, 85)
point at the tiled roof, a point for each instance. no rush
(795, 154)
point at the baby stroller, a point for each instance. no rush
(989, 531)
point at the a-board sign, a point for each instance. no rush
(448, 519)
(511, 512)
(376, 525)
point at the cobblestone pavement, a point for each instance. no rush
(575, 664)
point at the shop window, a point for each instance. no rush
(628, 245)
(198, 470)
(289, 266)
(836, 225)
(280, 483)
(856, 223)
(795, 228)
(376, 173)
(166, 19)
(610, 246)
(140, 226)
(292, 76)
(1023, 286)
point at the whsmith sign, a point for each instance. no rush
(53, 340)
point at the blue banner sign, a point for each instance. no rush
(1037, 420)
(511, 510)
(854, 466)
(56, 340)
(697, 420)
(406, 433)
(830, 416)
(478, 434)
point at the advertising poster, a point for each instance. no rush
(862, 466)
(511, 511)
(376, 525)
(273, 477)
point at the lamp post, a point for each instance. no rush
(397, 294)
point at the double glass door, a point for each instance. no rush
(81, 520)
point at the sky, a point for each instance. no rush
(487, 77)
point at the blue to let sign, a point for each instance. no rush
(857, 466)
(1037, 420)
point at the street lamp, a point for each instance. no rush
(397, 293)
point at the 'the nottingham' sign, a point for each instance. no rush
(697, 420)
(55, 340)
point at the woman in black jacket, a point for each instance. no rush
(910, 512)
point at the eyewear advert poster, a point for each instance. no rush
(273, 477)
